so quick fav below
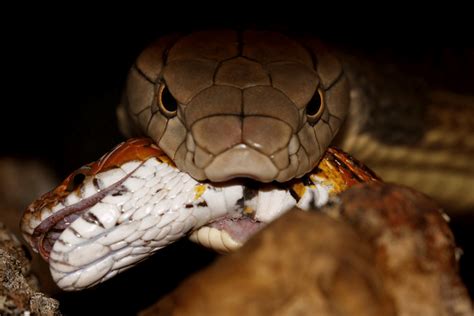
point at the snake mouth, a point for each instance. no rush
(241, 229)
(245, 161)
(241, 162)
(48, 231)
(67, 210)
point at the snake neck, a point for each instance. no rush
(410, 134)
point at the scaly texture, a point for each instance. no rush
(227, 104)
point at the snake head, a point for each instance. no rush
(227, 104)
(46, 218)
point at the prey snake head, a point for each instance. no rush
(226, 104)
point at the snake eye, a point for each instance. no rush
(76, 181)
(167, 103)
(315, 107)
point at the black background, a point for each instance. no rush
(63, 70)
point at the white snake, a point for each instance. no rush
(220, 107)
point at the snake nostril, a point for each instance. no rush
(167, 103)
(315, 107)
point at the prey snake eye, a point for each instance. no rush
(76, 181)
(166, 102)
(315, 107)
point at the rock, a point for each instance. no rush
(301, 264)
(18, 288)
(415, 249)
(377, 249)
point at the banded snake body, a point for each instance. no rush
(239, 125)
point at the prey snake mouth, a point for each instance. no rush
(47, 232)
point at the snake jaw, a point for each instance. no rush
(241, 161)
(244, 161)
(54, 211)
(215, 238)
(49, 230)
(39, 217)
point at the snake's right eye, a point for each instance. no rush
(315, 107)
(166, 102)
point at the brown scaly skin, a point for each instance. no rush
(409, 134)
(227, 104)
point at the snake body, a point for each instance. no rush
(239, 125)
(410, 134)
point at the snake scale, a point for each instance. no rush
(238, 126)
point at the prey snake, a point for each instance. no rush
(239, 125)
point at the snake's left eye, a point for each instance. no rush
(76, 181)
(315, 107)
(166, 102)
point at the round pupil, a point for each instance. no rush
(168, 101)
(314, 104)
(76, 181)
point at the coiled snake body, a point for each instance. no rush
(219, 107)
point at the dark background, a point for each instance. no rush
(63, 70)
